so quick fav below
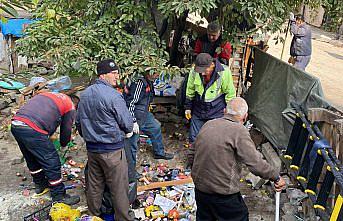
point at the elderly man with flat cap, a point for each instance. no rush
(104, 121)
(209, 88)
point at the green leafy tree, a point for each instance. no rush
(74, 35)
(9, 7)
(334, 15)
(240, 17)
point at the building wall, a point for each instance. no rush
(2, 47)
(5, 62)
(313, 16)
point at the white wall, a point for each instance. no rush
(2, 48)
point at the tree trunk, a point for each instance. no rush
(175, 57)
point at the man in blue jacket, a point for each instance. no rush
(301, 46)
(138, 95)
(104, 121)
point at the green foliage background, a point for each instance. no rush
(334, 15)
(74, 35)
(9, 7)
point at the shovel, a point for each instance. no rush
(277, 206)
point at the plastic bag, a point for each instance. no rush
(59, 84)
(61, 211)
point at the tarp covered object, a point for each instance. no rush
(14, 26)
(275, 85)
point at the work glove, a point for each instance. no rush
(248, 125)
(128, 135)
(291, 16)
(135, 128)
(188, 114)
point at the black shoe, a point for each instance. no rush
(40, 189)
(136, 204)
(166, 156)
(67, 199)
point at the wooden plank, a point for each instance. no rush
(332, 130)
(322, 114)
(339, 126)
(164, 184)
(73, 90)
(29, 89)
(5, 91)
(164, 100)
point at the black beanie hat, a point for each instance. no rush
(106, 66)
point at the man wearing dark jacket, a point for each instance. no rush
(301, 46)
(220, 149)
(103, 121)
(138, 95)
(213, 44)
(32, 126)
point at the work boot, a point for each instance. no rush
(40, 189)
(67, 199)
(166, 156)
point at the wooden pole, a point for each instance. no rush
(283, 46)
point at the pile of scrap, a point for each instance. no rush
(13, 94)
(165, 193)
(10, 100)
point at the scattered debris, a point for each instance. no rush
(165, 191)
(255, 181)
(17, 160)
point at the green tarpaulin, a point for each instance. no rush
(275, 85)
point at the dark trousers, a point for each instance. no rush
(41, 158)
(212, 207)
(130, 161)
(196, 124)
(108, 169)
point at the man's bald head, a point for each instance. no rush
(237, 107)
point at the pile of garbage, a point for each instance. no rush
(167, 203)
(165, 193)
(161, 172)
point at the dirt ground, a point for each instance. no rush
(14, 205)
(326, 62)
